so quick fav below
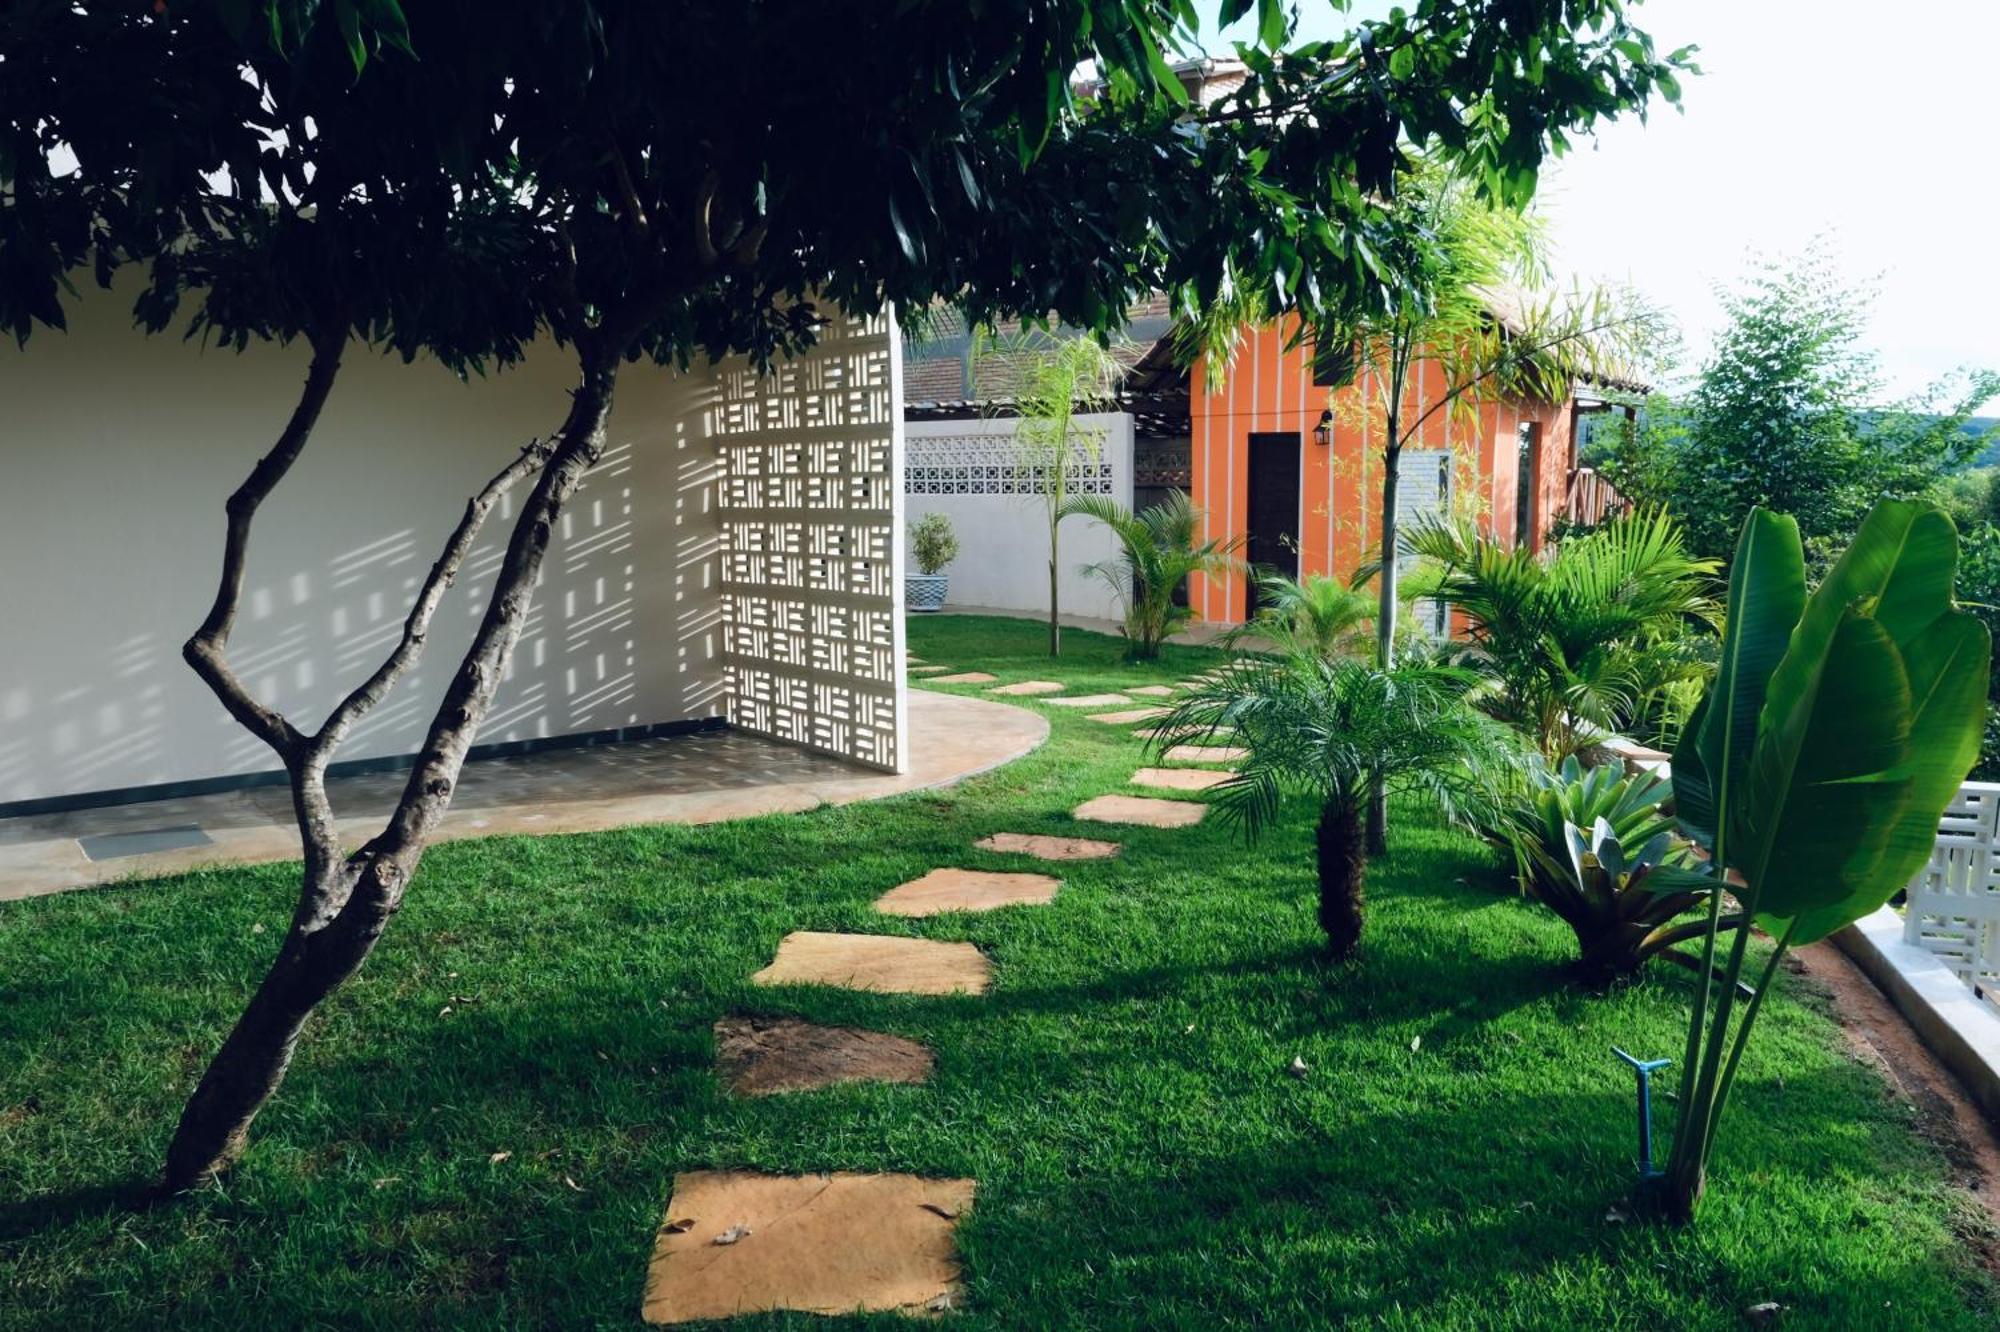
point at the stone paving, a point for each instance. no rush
(736, 1242)
(944, 890)
(1206, 754)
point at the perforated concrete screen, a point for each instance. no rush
(812, 587)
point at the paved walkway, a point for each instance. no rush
(702, 778)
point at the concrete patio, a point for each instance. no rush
(704, 777)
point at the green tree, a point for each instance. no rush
(1159, 549)
(1335, 729)
(1781, 417)
(670, 181)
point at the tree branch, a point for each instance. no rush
(207, 650)
(416, 625)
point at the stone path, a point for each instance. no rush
(881, 963)
(1028, 687)
(736, 1242)
(966, 890)
(1180, 779)
(1049, 848)
(759, 1056)
(1127, 717)
(1206, 754)
(1142, 810)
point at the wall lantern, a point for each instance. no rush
(1323, 432)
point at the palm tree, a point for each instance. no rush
(1159, 552)
(1574, 639)
(1337, 729)
(1315, 614)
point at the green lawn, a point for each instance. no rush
(1143, 1159)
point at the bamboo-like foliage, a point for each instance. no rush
(1574, 637)
(1817, 767)
(1159, 550)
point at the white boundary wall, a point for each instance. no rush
(117, 451)
(967, 471)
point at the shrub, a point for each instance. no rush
(1586, 843)
(933, 542)
(1158, 553)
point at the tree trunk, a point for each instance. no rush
(1055, 617)
(1385, 614)
(1343, 859)
(344, 905)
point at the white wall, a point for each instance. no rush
(965, 470)
(117, 451)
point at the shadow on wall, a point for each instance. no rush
(107, 578)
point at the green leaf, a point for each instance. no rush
(1828, 782)
(1767, 593)
(350, 33)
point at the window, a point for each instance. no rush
(1334, 364)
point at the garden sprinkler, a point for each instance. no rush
(1645, 1068)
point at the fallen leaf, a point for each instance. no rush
(605, 1057)
(387, 1180)
(445, 1011)
(498, 1157)
(1298, 1067)
(939, 1208)
(1615, 1215)
(572, 1183)
(1190, 1030)
(681, 1227)
(1765, 1313)
(940, 1303)
(258, 928)
(731, 1235)
(1415, 1041)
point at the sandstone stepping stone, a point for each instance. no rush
(1180, 779)
(1127, 717)
(1087, 701)
(756, 1056)
(967, 677)
(1206, 753)
(926, 670)
(912, 658)
(1152, 691)
(736, 1242)
(1048, 848)
(966, 890)
(1030, 687)
(1142, 810)
(878, 962)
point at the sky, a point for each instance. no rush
(1869, 127)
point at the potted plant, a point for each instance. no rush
(934, 545)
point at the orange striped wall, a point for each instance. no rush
(1269, 388)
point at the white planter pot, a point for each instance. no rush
(924, 592)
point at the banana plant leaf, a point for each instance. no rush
(1767, 595)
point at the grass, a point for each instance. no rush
(1144, 1160)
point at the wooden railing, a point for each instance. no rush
(1591, 498)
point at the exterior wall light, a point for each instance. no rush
(1323, 432)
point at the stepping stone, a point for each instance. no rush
(925, 670)
(1180, 779)
(878, 962)
(1153, 691)
(911, 658)
(1127, 717)
(1048, 848)
(1206, 754)
(756, 1056)
(1087, 701)
(1030, 687)
(966, 890)
(824, 1244)
(1142, 810)
(966, 677)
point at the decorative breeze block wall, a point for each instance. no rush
(812, 561)
(1954, 903)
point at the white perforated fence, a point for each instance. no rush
(1954, 904)
(812, 599)
(972, 473)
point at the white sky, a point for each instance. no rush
(1871, 126)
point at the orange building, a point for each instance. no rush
(1259, 471)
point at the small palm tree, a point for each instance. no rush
(1315, 614)
(1337, 729)
(1160, 550)
(1575, 639)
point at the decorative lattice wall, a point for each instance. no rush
(1954, 904)
(983, 462)
(811, 518)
